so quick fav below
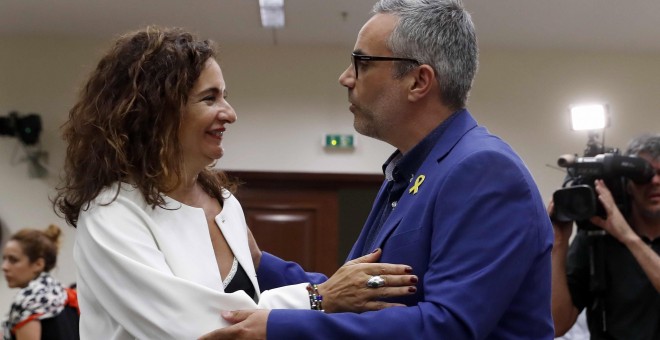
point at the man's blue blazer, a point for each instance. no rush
(476, 233)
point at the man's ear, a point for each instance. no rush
(423, 80)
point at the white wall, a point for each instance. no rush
(37, 75)
(287, 97)
(524, 98)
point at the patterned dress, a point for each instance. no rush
(43, 298)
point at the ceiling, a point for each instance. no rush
(612, 25)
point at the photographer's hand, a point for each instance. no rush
(614, 223)
(618, 227)
(562, 230)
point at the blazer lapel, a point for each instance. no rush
(238, 242)
(461, 123)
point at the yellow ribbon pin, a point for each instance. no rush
(418, 183)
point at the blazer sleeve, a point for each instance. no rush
(485, 219)
(274, 272)
(126, 277)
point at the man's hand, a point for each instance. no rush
(247, 324)
(347, 291)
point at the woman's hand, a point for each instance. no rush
(347, 291)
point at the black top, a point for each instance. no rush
(64, 326)
(241, 281)
(631, 303)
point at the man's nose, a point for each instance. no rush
(347, 78)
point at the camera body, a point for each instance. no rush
(578, 201)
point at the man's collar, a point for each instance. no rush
(401, 166)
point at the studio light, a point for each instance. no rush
(589, 117)
(593, 118)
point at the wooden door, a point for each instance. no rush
(295, 216)
(296, 226)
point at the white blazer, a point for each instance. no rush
(151, 273)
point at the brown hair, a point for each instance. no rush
(38, 244)
(125, 124)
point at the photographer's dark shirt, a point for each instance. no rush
(632, 304)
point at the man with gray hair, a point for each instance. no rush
(457, 205)
(631, 299)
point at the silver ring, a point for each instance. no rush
(375, 281)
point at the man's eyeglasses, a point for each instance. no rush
(357, 58)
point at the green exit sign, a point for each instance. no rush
(339, 141)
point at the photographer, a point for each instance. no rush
(629, 306)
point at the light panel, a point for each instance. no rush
(589, 117)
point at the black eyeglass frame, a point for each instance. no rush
(364, 57)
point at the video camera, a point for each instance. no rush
(579, 202)
(25, 128)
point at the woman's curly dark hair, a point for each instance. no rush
(124, 126)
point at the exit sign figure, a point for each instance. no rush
(339, 141)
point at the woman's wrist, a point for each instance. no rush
(315, 298)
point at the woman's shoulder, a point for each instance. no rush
(119, 194)
(117, 199)
(117, 190)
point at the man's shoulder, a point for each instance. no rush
(477, 143)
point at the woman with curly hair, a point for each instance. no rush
(43, 308)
